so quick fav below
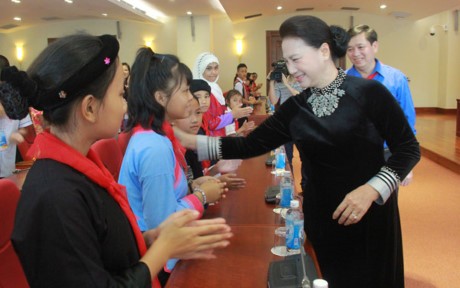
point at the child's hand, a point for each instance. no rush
(185, 237)
(246, 128)
(200, 180)
(214, 190)
(241, 112)
(252, 100)
(16, 137)
(233, 183)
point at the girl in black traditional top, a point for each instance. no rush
(338, 124)
(74, 227)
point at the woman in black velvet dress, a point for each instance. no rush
(338, 124)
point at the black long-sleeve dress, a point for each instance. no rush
(69, 232)
(339, 153)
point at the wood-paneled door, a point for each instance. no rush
(274, 51)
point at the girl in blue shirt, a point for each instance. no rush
(154, 164)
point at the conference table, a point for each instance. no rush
(245, 262)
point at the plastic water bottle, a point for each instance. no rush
(286, 190)
(280, 157)
(294, 228)
(272, 109)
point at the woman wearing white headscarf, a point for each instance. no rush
(215, 119)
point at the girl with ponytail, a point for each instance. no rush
(154, 165)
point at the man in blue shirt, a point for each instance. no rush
(362, 47)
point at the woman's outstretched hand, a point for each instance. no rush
(187, 140)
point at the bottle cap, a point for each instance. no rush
(294, 203)
(320, 283)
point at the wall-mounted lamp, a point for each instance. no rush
(19, 53)
(149, 43)
(239, 48)
(433, 29)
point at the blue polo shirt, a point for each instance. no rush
(396, 82)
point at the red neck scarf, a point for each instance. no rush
(179, 150)
(48, 146)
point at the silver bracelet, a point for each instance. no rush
(198, 189)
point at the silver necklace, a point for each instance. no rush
(324, 101)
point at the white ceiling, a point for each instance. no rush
(35, 12)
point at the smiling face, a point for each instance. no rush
(211, 73)
(362, 53)
(305, 63)
(192, 123)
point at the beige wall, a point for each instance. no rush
(133, 36)
(188, 46)
(431, 62)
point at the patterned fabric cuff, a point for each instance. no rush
(385, 182)
(208, 148)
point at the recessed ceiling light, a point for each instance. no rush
(104, 14)
(383, 6)
(69, 1)
(189, 12)
(16, 1)
(279, 8)
(17, 18)
(143, 9)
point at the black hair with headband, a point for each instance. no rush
(33, 93)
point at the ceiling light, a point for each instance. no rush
(189, 12)
(16, 1)
(383, 6)
(17, 18)
(142, 8)
(279, 8)
(69, 1)
(104, 14)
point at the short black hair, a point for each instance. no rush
(4, 62)
(241, 65)
(369, 32)
(314, 32)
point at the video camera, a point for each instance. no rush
(279, 68)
